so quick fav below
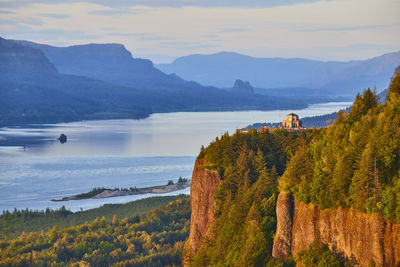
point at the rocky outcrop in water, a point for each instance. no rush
(347, 232)
(62, 138)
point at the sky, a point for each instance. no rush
(162, 30)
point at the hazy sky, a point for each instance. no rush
(162, 30)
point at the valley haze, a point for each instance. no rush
(46, 84)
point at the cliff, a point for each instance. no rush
(111, 63)
(204, 184)
(346, 232)
(17, 60)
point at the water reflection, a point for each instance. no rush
(113, 153)
(162, 134)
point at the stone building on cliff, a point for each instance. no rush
(292, 121)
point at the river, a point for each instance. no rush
(35, 167)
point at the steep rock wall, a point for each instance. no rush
(283, 238)
(204, 184)
(347, 232)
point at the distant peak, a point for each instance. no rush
(242, 86)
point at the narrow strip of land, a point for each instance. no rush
(106, 192)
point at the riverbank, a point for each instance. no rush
(98, 193)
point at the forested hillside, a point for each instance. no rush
(152, 239)
(249, 165)
(12, 224)
(354, 163)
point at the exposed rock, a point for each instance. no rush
(283, 238)
(204, 184)
(62, 138)
(347, 232)
(242, 87)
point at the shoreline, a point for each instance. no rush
(107, 193)
(50, 123)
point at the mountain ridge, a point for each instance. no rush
(223, 68)
(86, 89)
(110, 62)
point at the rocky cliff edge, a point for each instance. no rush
(204, 184)
(347, 232)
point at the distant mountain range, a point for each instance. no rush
(109, 62)
(46, 84)
(291, 74)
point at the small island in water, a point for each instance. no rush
(117, 192)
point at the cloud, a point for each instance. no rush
(210, 35)
(21, 21)
(351, 28)
(235, 30)
(6, 12)
(111, 12)
(54, 16)
(141, 36)
(28, 33)
(182, 45)
(168, 3)
(158, 38)
(370, 46)
(315, 29)
(128, 34)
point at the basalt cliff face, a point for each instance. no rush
(347, 232)
(204, 184)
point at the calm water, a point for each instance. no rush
(113, 153)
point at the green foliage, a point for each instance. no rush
(95, 191)
(14, 223)
(181, 181)
(153, 239)
(319, 255)
(249, 164)
(354, 162)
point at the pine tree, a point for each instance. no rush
(363, 180)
